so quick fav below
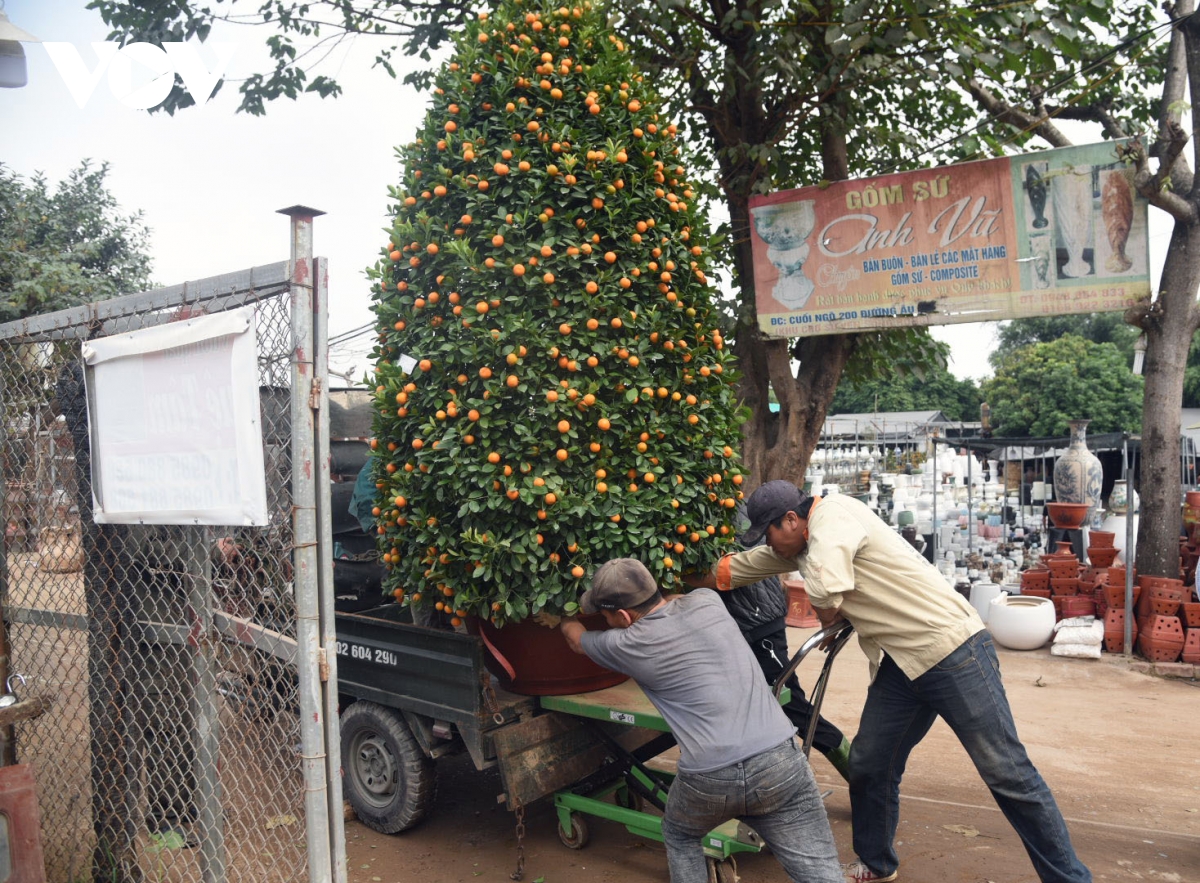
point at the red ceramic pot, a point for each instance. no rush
(533, 660)
(1034, 579)
(1116, 576)
(1102, 538)
(1156, 598)
(1162, 582)
(1061, 569)
(1189, 612)
(1101, 556)
(1065, 586)
(1191, 647)
(1159, 649)
(1114, 631)
(1078, 606)
(1068, 516)
(1166, 627)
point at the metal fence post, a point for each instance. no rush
(206, 710)
(333, 738)
(305, 394)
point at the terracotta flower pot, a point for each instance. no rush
(1114, 631)
(1163, 607)
(1034, 579)
(1068, 516)
(1168, 627)
(1114, 596)
(1078, 606)
(1191, 647)
(1158, 589)
(1102, 556)
(1062, 569)
(1102, 539)
(1064, 586)
(1189, 613)
(1161, 582)
(1116, 576)
(1159, 649)
(800, 613)
(533, 660)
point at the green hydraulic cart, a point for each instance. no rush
(623, 800)
(410, 696)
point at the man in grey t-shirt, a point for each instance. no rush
(737, 754)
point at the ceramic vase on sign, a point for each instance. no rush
(1078, 476)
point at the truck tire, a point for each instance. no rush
(388, 779)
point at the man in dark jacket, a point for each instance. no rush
(760, 611)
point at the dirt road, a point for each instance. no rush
(1120, 749)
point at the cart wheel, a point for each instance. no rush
(722, 871)
(389, 780)
(629, 799)
(577, 837)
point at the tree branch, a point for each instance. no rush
(1155, 186)
(1092, 113)
(1175, 80)
(1004, 112)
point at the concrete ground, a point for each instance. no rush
(1119, 747)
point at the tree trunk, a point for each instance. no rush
(1169, 325)
(1173, 317)
(779, 444)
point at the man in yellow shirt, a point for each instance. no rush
(930, 656)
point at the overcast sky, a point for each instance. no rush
(210, 181)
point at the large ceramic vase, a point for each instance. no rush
(1078, 476)
(1120, 497)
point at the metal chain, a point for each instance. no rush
(520, 871)
(489, 699)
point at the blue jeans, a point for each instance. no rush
(965, 690)
(774, 792)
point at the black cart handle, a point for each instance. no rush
(837, 635)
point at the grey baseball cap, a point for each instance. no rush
(620, 584)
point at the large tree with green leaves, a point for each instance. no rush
(1096, 327)
(1040, 387)
(936, 389)
(66, 245)
(776, 95)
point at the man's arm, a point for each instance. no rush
(741, 569)
(573, 631)
(829, 615)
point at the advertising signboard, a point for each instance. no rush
(1059, 231)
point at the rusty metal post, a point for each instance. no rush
(305, 401)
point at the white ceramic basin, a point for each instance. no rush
(1021, 622)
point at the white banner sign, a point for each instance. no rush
(173, 413)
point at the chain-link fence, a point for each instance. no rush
(172, 749)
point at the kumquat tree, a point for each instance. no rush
(570, 398)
